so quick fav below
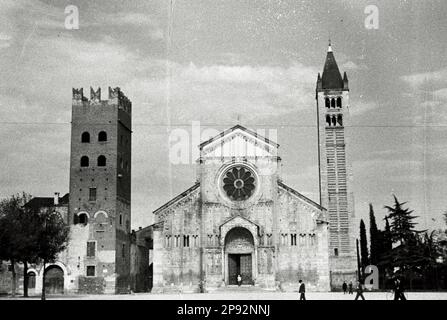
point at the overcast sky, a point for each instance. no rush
(220, 61)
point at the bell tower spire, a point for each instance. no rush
(332, 95)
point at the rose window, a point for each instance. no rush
(238, 183)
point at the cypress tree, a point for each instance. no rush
(374, 238)
(363, 245)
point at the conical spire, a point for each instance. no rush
(331, 78)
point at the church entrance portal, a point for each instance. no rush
(239, 264)
(239, 249)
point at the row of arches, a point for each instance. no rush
(83, 217)
(55, 275)
(101, 161)
(333, 102)
(334, 120)
(85, 137)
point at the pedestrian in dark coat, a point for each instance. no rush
(359, 290)
(350, 287)
(398, 290)
(345, 287)
(302, 290)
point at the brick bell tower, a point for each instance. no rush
(335, 176)
(100, 183)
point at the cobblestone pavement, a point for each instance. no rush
(235, 295)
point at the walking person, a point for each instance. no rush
(302, 290)
(359, 291)
(239, 280)
(350, 287)
(398, 290)
(345, 287)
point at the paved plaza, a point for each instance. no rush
(242, 295)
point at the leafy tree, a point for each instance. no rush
(374, 238)
(30, 235)
(363, 245)
(387, 239)
(16, 241)
(52, 238)
(407, 254)
(402, 225)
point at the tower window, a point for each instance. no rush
(328, 103)
(334, 121)
(82, 219)
(85, 137)
(91, 271)
(336, 252)
(340, 120)
(102, 161)
(84, 161)
(339, 102)
(102, 136)
(91, 248)
(92, 194)
(121, 220)
(328, 120)
(332, 103)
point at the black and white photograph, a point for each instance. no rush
(225, 150)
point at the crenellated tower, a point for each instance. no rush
(335, 176)
(100, 185)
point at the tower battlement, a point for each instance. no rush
(115, 97)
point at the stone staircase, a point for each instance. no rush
(242, 288)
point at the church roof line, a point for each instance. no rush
(234, 217)
(175, 199)
(301, 196)
(236, 127)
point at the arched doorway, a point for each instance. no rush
(54, 280)
(239, 250)
(31, 280)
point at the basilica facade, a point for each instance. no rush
(241, 218)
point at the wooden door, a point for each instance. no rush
(245, 261)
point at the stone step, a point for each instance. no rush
(243, 288)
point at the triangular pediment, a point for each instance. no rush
(239, 141)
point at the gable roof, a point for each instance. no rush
(299, 195)
(234, 128)
(177, 198)
(46, 202)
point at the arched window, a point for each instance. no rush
(84, 161)
(85, 137)
(340, 120)
(328, 120)
(332, 103)
(102, 136)
(83, 218)
(339, 102)
(334, 121)
(328, 104)
(102, 161)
